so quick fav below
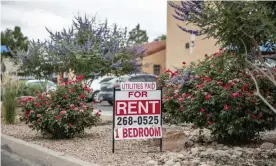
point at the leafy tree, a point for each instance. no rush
(161, 38)
(14, 39)
(239, 25)
(87, 48)
(236, 24)
(138, 36)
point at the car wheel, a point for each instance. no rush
(110, 102)
(95, 97)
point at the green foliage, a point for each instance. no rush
(89, 47)
(14, 39)
(9, 94)
(138, 36)
(29, 90)
(61, 113)
(161, 38)
(233, 23)
(218, 94)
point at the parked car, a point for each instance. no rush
(96, 87)
(106, 93)
(270, 61)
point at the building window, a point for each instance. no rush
(187, 45)
(156, 69)
(193, 44)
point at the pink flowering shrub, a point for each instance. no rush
(62, 113)
(218, 94)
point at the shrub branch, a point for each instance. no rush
(257, 93)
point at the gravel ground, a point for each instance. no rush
(94, 146)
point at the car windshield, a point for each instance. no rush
(106, 79)
(269, 62)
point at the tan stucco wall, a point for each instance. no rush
(157, 58)
(177, 39)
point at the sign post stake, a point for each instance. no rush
(113, 123)
(161, 114)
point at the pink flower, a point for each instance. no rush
(63, 112)
(38, 115)
(98, 113)
(202, 110)
(219, 83)
(207, 79)
(57, 117)
(31, 111)
(201, 85)
(70, 125)
(37, 105)
(196, 77)
(234, 95)
(249, 94)
(227, 86)
(79, 78)
(210, 123)
(83, 106)
(181, 107)
(82, 96)
(81, 110)
(260, 115)
(72, 106)
(226, 107)
(66, 96)
(207, 97)
(76, 109)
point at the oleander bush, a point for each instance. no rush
(218, 93)
(62, 113)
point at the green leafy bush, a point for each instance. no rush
(28, 90)
(9, 94)
(61, 113)
(218, 94)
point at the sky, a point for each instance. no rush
(33, 16)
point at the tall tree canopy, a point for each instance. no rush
(232, 23)
(88, 48)
(138, 36)
(14, 39)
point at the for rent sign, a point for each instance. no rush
(137, 113)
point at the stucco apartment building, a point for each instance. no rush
(179, 45)
(155, 60)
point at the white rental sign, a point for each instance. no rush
(137, 111)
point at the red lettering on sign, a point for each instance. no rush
(141, 132)
(138, 94)
(137, 107)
